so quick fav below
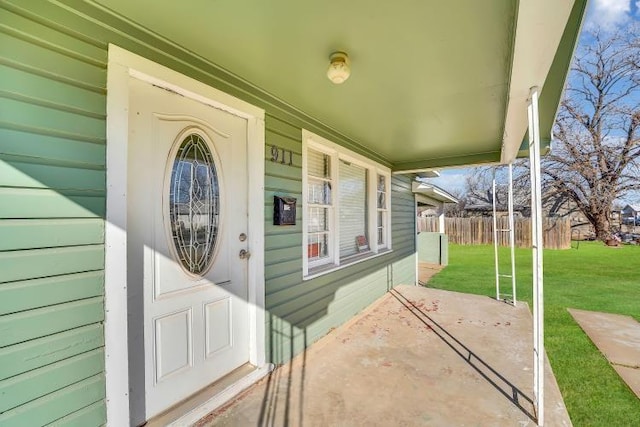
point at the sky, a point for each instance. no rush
(608, 15)
(611, 14)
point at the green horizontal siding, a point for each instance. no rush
(42, 381)
(58, 404)
(284, 240)
(276, 256)
(276, 170)
(33, 175)
(52, 205)
(274, 271)
(32, 51)
(39, 203)
(285, 281)
(92, 415)
(23, 85)
(36, 353)
(53, 40)
(403, 225)
(29, 115)
(50, 149)
(36, 263)
(404, 271)
(277, 183)
(287, 140)
(49, 233)
(18, 296)
(309, 291)
(288, 339)
(27, 325)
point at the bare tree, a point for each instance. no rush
(595, 157)
(455, 210)
(479, 187)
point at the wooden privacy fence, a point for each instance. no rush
(479, 231)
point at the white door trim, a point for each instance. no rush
(122, 66)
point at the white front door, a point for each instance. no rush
(187, 225)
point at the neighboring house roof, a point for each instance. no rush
(631, 209)
(433, 83)
(429, 173)
(433, 192)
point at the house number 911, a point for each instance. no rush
(280, 155)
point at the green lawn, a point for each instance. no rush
(593, 277)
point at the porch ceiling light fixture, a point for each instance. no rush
(339, 68)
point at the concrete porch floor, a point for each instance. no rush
(417, 356)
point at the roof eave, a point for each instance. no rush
(540, 58)
(433, 192)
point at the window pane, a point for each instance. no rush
(194, 207)
(382, 200)
(318, 164)
(317, 246)
(319, 192)
(353, 208)
(382, 189)
(318, 219)
(381, 216)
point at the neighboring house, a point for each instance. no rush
(630, 214)
(430, 200)
(433, 247)
(144, 145)
(561, 207)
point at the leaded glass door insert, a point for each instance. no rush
(194, 204)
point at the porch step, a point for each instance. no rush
(202, 403)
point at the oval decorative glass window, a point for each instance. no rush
(194, 204)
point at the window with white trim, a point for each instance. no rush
(382, 208)
(346, 215)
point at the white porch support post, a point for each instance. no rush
(536, 240)
(415, 239)
(441, 227)
(512, 230)
(495, 236)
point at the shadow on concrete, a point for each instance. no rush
(272, 398)
(498, 381)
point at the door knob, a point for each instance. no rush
(244, 254)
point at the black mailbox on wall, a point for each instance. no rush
(284, 210)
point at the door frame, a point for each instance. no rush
(123, 66)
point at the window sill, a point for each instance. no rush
(347, 262)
